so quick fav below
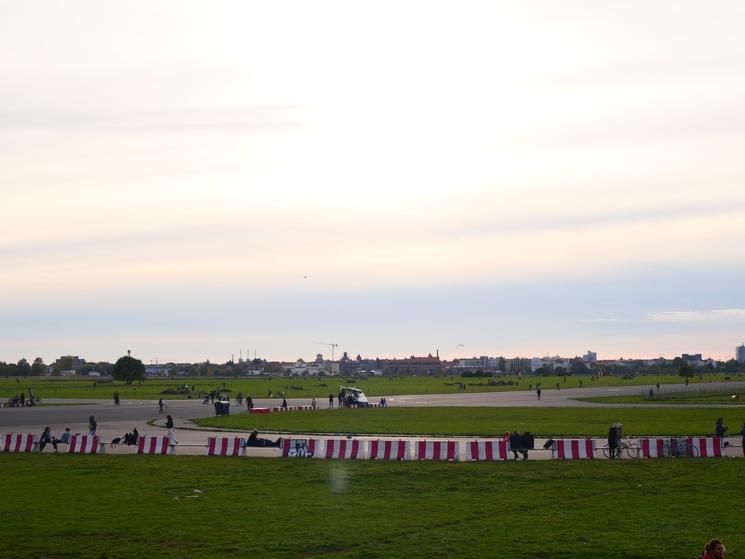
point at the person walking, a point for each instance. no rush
(720, 428)
(538, 392)
(331, 400)
(92, 426)
(116, 398)
(313, 403)
(527, 442)
(284, 404)
(249, 402)
(161, 406)
(171, 434)
(515, 443)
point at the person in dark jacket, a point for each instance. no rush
(515, 443)
(720, 428)
(527, 442)
(47, 438)
(613, 440)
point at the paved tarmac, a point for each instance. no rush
(114, 421)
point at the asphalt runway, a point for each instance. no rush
(114, 421)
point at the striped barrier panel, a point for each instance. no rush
(345, 448)
(84, 444)
(18, 442)
(654, 447)
(691, 447)
(154, 445)
(294, 408)
(487, 450)
(574, 449)
(225, 446)
(389, 450)
(708, 447)
(299, 448)
(436, 450)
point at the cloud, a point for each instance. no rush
(714, 315)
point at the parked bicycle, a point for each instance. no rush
(623, 446)
(680, 448)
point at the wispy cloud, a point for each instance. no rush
(714, 315)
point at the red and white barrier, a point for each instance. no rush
(574, 449)
(389, 450)
(436, 450)
(294, 408)
(704, 447)
(487, 450)
(18, 442)
(225, 446)
(154, 445)
(654, 447)
(299, 448)
(84, 444)
(345, 448)
(708, 447)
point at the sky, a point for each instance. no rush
(198, 180)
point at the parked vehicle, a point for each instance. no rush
(353, 397)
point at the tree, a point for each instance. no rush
(38, 368)
(23, 367)
(686, 371)
(128, 369)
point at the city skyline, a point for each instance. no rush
(184, 179)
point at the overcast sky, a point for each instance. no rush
(193, 179)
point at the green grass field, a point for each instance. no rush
(675, 398)
(59, 506)
(298, 387)
(484, 421)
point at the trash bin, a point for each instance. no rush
(222, 408)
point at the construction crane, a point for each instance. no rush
(333, 346)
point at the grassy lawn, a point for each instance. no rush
(674, 398)
(188, 507)
(299, 387)
(484, 421)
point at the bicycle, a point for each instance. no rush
(680, 448)
(623, 446)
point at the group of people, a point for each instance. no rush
(615, 436)
(520, 444)
(47, 438)
(20, 400)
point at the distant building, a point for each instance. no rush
(413, 365)
(590, 357)
(70, 362)
(518, 365)
(692, 357)
(740, 353)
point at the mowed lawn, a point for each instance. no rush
(320, 388)
(485, 421)
(675, 398)
(189, 507)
